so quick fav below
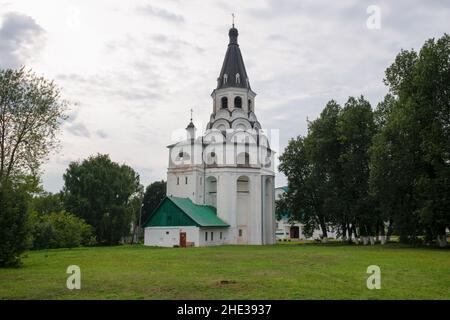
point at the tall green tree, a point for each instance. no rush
(31, 114)
(101, 191)
(301, 201)
(324, 149)
(412, 151)
(356, 128)
(154, 194)
(309, 164)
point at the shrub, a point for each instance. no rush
(60, 230)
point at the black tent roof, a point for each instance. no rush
(233, 64)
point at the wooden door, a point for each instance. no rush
(183, 239)
(294, 232)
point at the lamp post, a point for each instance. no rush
(140, 218)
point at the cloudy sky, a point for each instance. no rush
(133, 69)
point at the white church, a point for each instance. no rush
(220, 184)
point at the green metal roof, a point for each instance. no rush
(173, 209)
(204, 216)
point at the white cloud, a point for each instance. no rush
(20, 39)
(135, 68)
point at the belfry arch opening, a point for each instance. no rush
(238, 102)
(224, 102)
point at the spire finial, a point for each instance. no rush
(191, 124)
(233, 18)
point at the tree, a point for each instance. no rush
(355, 129)
(301, 200)
(100, 191)
(31, 113)
(46, 203)
(324, 150)
(412, 150)
(311, 166)
(15, 195)
(328, 171)
(154, 194)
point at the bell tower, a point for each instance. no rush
(230, 166)
(233, 91)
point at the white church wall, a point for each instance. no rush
(162, 236)
(255, 211)
(226, 201)
(178, 186)
(243, 208)
(269, 210)
(170, 236)
(205, 240)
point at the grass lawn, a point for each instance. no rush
(283, 271)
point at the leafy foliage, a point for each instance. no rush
(154, 194)
(59, 230)
(360, 171)
(31, 111)
(15, 196)
(411, 153)
(101, 191)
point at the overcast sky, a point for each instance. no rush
(133, 69)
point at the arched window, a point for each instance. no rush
(238, 102)
(211, 159)
(238, 78)
(182, 156)
(225, 78)
(249, 105)
(243, 159)
(211, 191)
(224, 102)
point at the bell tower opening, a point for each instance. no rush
(238, 102)
(224, 103)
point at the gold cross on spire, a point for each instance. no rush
(192, 111)
(233, 18)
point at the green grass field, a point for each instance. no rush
(288, 271)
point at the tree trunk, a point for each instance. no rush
(324, 230)
(365, 240)
(441, 240)
(389, 230)
(344, 233)
(349, 229)
(356, 234)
